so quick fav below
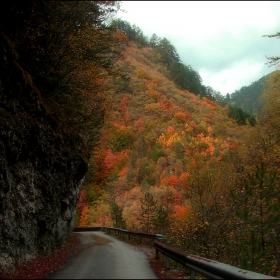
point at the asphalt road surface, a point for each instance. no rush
(104, 257)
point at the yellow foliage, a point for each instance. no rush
(167, 142)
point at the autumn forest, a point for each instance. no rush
(168, 154)
(176, 158)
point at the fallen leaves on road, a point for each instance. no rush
(158, 266)
(40, 267)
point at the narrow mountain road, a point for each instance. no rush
(104, 257)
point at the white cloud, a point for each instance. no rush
(222, 40)
(230, 79)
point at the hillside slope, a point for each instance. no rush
(156, 138)
(248, 97)
(173, 162)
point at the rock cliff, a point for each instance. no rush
(41, 168)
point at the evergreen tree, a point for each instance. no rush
(117, 216)
(142, 146)
(161, 220)
(241, 116)
(154, 40)
(149, 210)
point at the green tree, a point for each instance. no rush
(258, 211)
(270, 113)
(146, 172)
(149, 210)
(154, 40)
(142, 146)
(161, 219)
(157, 152)
(117, 216)
(241, 116)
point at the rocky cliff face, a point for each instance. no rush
(41, 168)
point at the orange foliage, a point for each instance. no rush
(182, 181)
(165, 104)
(99, 81)
(188, 115)
(193, 124)
(170, 130)
(170, 181)
(179, 211)
(233, 146)
(166, 142)
(123, 171)
(141, 125)
(210, 150)
(180, 115)
(120, 36)
(83, 222)
(110, 161)
(210, 104)
(124, 102)
(155, 95)
(126, 118)
(151, 107)
(82, 199)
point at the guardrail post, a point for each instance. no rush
(193, 274)
(157, 254)
(167, 261)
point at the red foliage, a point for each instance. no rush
(120, 36)
(233, 146)
(206, 120)
(83, 222)
(123, 172)
(99, 82)
(179, 211)
(169, 181)
(182, 181)
(210, 104)
(165, 104)
(109, 160)
(180, 115)
(82, 199)
(193, 124)
(210, 150)
(126, 118)
(155, 82)
(124, 102)
(170, 130)
(188, 115)
(141, 125)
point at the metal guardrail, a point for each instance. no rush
(134, 233)
(197, 265)
(82, 229)
(205, 267)
(121, 231)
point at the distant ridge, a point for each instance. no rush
(247, 97)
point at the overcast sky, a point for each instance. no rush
(222, 40)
